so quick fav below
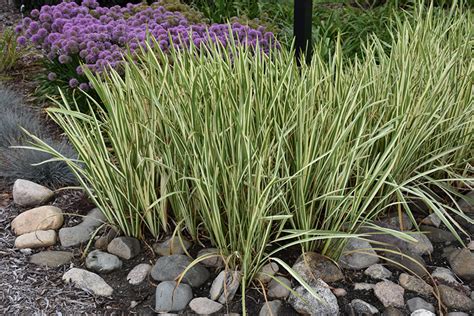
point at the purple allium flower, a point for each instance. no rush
(64, 59)
(22, 40)
(52, 76)
(34, 13)
(84, 86)
(73, 83)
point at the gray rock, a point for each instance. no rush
(204, 306)
(466, 204)
(40, 218)
(415, 284)
(462, 263)
(437, 235)
(271, 308)
(225, 286)
(432, 220)
(470, 246)
(363, 308)
(102, 262)
(30, 194)
(423, 246)
(305, 303)
(455, 299)
(172, 246)
(378, 272)
(389, 294)
(215, 261)
(169, 268)
(139, 273)
(445, 276)
(51, 259)
(277, 290)
(358, 254)
(457, 314)
(312, 266)
(172, 297)
(407, 262)
(392, 311)
(36, 239)
(124, 247)
(394, 222)
(267, 272)
(103, 241)
(82, 233)
(417, 303)
(89, 281)
(363, 286)
(422, 312)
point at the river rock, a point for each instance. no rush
(82, 233)
(378, 272)
(466, 204)
(363, 308)
(312, 266)
(358, 254)
(305, 303)
(204, 306)
(444, 275)
(267, 272)
(390, 294)
(89, 281)
(40, 218)
(30, 194)
(51, 259)
(172, 297)
(417, 303)
(225, 286)
(437, 235)
(36, 239)
(394, 222)
(423, 246)
(392, 311)
(462, 263)
(139, 273)
(455, 299)
(271, 308)
(279, 287)
(415, 284)
(103, 241)
(124, 247)
(172, 246)
(169, 268)
(422, 312)
(407, 262)
(432, 220)
(363, 286)
(215, 261)
(102, 262)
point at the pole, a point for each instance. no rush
(302, 26)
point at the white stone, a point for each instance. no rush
(36, 239)
(225, 286)
(138, 274)
(378, 272)
(280, 288)
(204, 306)
(29, 194)
(89, 281)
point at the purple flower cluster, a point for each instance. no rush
(98, 36)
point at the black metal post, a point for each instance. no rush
(302, 29)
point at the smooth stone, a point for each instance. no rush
(394, 222)
(392, 311)
(277, 290)
(414, 284)
(36, 239)
(215, 261)
(124, 247)
(423, 246)
(363, 308)
(378, 272)
(363, 286)
(30, 194)
(204, 306)
(455, 299)
(267, 272)
(417, 303)
(102, 262)
(470, 246)
(82, 233)
(304, 303)
(225, 286)
(437, 235)
(89, 281)
(389, 294)
(444, 275)
(172, 246)
(169, 268)
(339, 292)
(172, 297)
(407, 262)
(51, 259)
(40, 218)
(103, 241)
(358, 254)
(422, 312)
(457, 314)
(431, 220)
(139, 273)
(271, 308)
(462, 263)
(466, 205)
(312, 266)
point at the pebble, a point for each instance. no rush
(124, 247)
(466, 204)
(267, 272)
(215, 261)
(432, 220)
(423, 246)
(358, 254)
(462, 263)
(36, 239)
(312, 266)
(277, 290)
(422, 312)
(89, 281)
(82, 233)
(305, 303)
(204, 306)
(407, 261)
(389, 294)
(394, 222)
(225, 293)
(457, 314)
(102, 262)
(470, 246)
(363, 286)
(172, 297)
(415, 284)
(455, 299)
(30, 194)
(444, 275)
(437, 235)
(271, 308)
(51, 259)
(169, 268)
(103, 241)
(392, 311)
(417, 303)
(139, 273)
(339, 292)
(40, 218)
(172, 246)
(378, 272)
(363, 308)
